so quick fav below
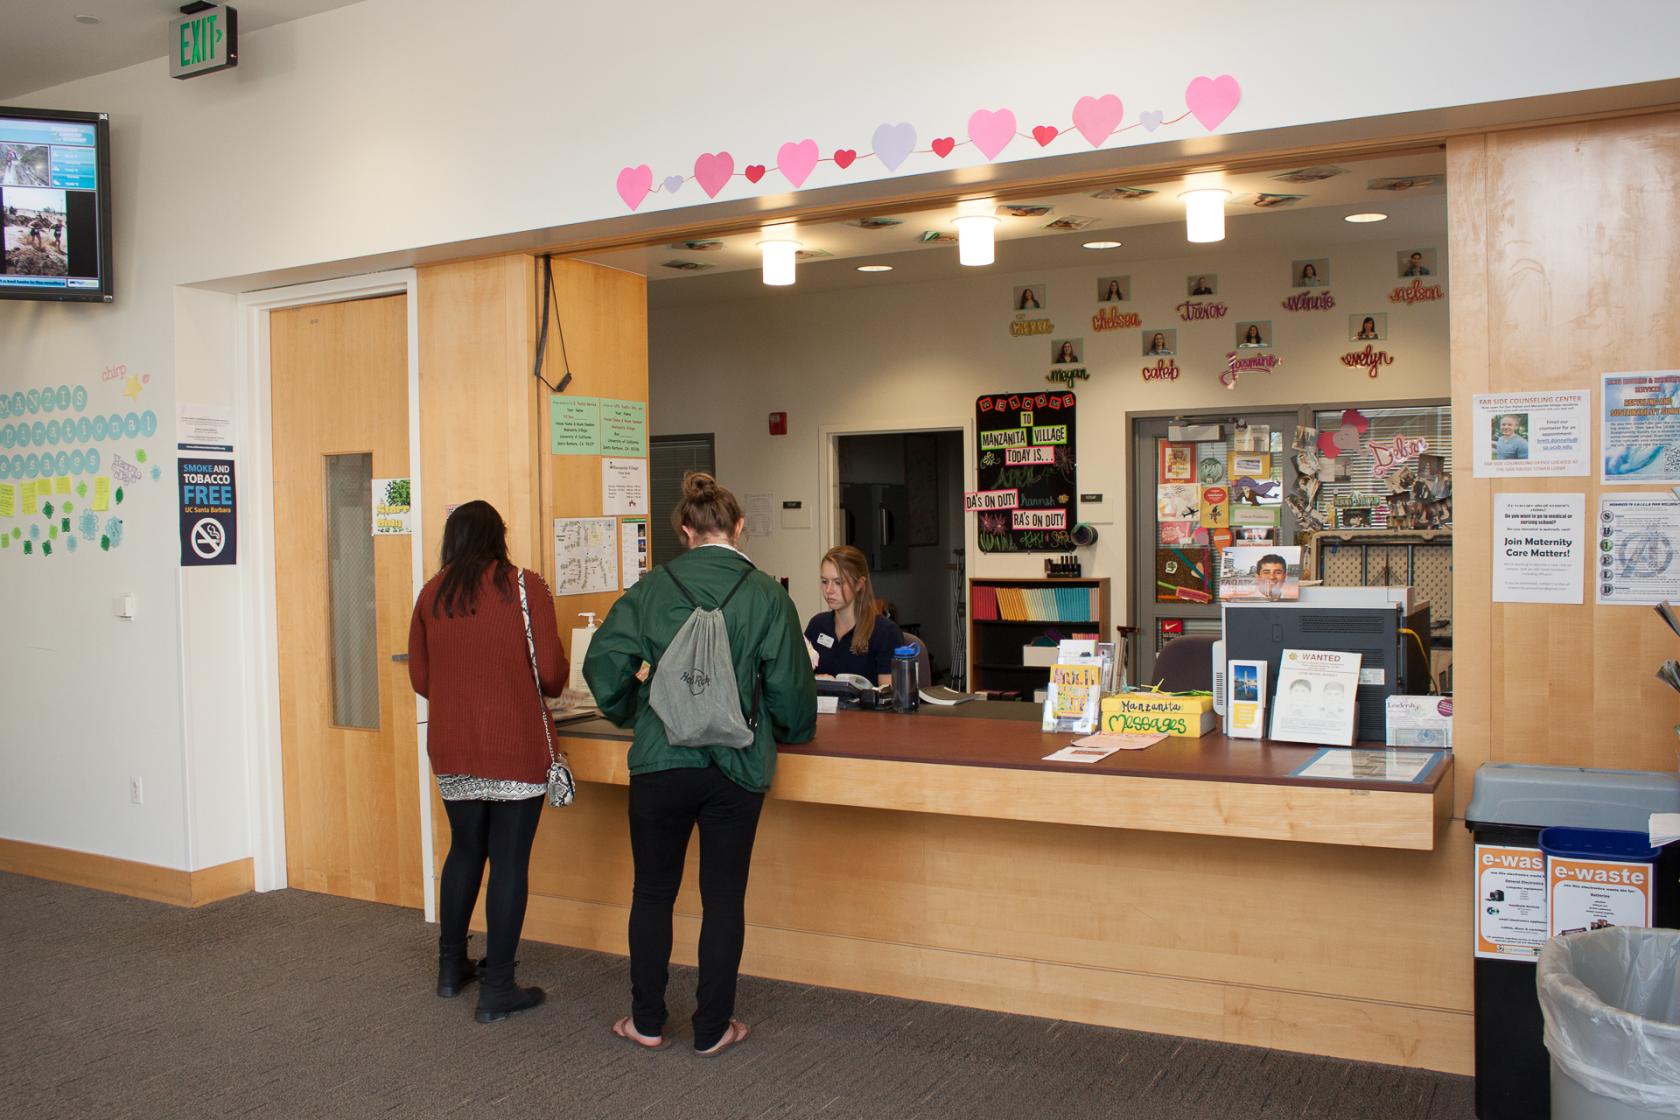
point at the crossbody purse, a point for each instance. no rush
(561, 789)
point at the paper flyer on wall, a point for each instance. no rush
(392, 512)
(1534, 435)
(1315, 697)
(1639, 438)
(585, 555)
(1245, 705)
(633, 549)
(1540, 544)
(1635, 561)
(624, 486)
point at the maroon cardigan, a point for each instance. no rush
(475, 670)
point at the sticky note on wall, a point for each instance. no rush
(62, 486)
(30, 505)
(8, 500)
(101, 494)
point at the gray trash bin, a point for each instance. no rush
(1611, 999)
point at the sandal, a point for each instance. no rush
(625, 1028)
(733, 1035)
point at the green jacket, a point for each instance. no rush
(764, 635)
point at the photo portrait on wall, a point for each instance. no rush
(1366, 328)
(1416, 262)
(1114, 289)
(1313, 273)
(1202, 284)
(1066, 351)
(1160, 342)
(1254, 334)
(1031, 297)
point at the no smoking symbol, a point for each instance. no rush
(208, 540)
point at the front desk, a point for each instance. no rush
(1193, 888)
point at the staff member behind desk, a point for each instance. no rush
(853, 635)
(718, 788)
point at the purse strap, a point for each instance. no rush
(536, 674)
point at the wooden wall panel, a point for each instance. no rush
(478, 400)
(604, 315)
(1566, 266)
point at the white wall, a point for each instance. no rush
(397, 124)
(917, 356)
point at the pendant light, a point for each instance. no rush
(1204, 214)
(778, 261)
(976, 238)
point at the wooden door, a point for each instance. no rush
(347, 714)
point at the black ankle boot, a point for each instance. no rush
(455, 969)
(499, 996)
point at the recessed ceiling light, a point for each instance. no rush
(875, 268)
(87, 19)
(1366, 218)
(1102, 245)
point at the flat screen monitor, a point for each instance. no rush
(1262, 631)
(55, 205)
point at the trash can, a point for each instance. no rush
(1611, 1001)
(1510, 805)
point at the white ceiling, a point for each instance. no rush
(44, 46)
(1148, 228)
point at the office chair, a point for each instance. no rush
(1185, 665)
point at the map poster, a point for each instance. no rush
(1633, 554)
(585, 555)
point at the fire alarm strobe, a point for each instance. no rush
(778, 423)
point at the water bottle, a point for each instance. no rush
(906, 679)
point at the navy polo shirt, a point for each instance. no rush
(836, 656)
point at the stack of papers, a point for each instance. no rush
(1095, 748)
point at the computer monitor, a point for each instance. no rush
(1262, 631)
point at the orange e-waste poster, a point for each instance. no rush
(1595, 893)
(1510, 902)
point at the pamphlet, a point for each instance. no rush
(1420, 721)
(1315, 697)
(1246, 702)
(1074, 698)
(1095, 748)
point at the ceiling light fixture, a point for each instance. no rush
(1362, 218)
(1101, 245)
(976, 244)
(1204, 215)
(778, 261)
(875, 268)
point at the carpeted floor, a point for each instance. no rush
(294, 1005)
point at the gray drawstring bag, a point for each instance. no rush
(694, 690)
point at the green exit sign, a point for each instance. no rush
(203, 39)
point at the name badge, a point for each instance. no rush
(825, 640)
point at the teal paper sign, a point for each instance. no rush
(624, 427)
(574, 425)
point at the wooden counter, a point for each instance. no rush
(942, 760)
(937, 857)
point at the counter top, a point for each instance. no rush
(990, 763)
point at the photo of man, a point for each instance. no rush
(1248, 573)
(1204, 285)
(1416, 262)
(1510, 436)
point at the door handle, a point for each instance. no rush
(399, 657)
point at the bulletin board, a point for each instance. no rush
(1027, 443)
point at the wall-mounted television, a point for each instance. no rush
(55, 205)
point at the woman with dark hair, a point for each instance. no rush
(1251, 337)
(1028, 301)
(1368, 328)
(1158, 344)
(1112, 293)
(719, 788)
(854, 635)
(468, 655)
(1065, 353)
(1309, 276)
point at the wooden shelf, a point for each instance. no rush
(994, 644)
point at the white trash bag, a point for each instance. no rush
(1611, 998)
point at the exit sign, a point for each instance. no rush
(203, 39)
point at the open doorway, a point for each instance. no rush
(901, 505)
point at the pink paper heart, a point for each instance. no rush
(712, 170)
(634, 183)
(1096, 118)
(991, 130)
(1212, 99)
(797, 161)
(1327, 445)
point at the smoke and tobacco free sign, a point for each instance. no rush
(209, 513)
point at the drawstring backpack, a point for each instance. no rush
(694, 689)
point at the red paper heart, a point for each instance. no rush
(942, 146)
(1044, 134)
(755, 172)
(844, 157)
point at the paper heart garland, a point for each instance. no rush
(671, 183)
(991, 130)
(844, 157)
(712, 171)
(754, 172)
(942, 146)
(1044, 134)
(1150, 119)
(1096, 118)
(797, 161)
(893, 144)
(1211, 100)
(634, 183)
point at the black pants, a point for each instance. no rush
(664, 808)
(500, 831)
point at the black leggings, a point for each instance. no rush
(500, 831)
